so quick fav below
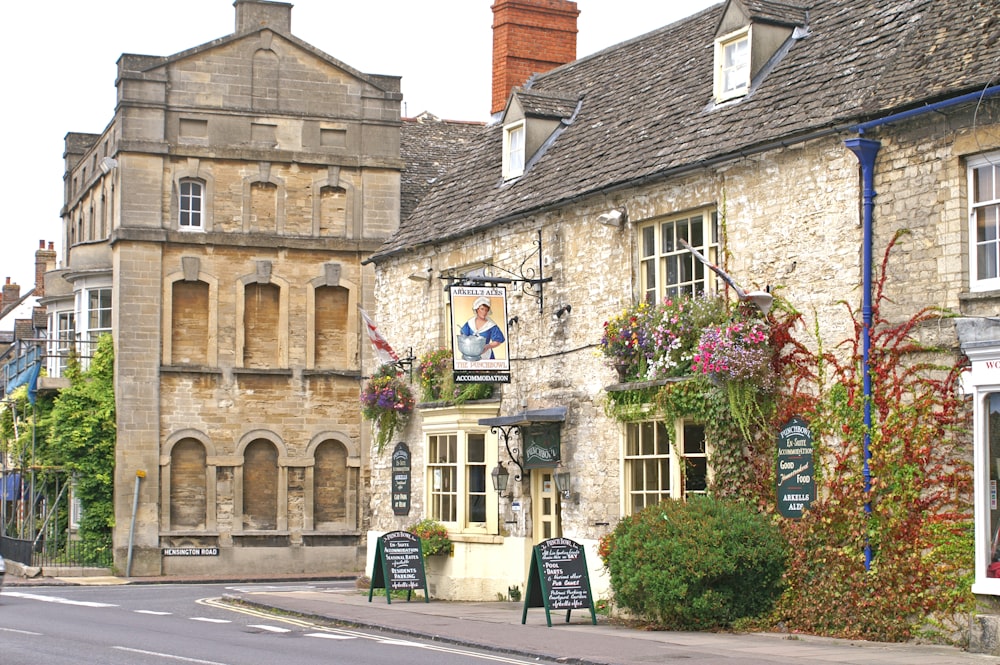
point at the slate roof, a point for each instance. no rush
(429, 146)
(780, 13)
(647, 110)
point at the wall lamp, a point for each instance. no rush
(500, 476)
(107, 164)
(614, 218)
(562, 311)
(564, 485)
(421, 276)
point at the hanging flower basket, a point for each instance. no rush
(387, 402)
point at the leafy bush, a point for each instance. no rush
(433, 537)
(437, 380)
(695, 565)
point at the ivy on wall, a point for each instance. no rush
(919, 529)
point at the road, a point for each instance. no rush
(186, 623)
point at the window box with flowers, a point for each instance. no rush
(437, 380)
(387, 402)
(433, 537)
(738, 357)
(651, 342)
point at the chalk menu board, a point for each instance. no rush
(558, 579)
(398, 565)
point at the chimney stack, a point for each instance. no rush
(529, 37)
(256, 14)
(45, 260)
(11, 294)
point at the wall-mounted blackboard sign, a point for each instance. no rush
(401, 479)
(795, 481)
(558, 579)
(541, 445)
(398, 566)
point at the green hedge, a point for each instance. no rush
(695, 565)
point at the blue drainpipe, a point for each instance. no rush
(866, 150)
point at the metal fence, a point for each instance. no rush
(69, 554)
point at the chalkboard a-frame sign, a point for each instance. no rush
(558, 579)
(398, 566)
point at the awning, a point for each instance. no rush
(556, 414)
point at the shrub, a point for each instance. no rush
(437, 380)
(433, 537)
(695, 565)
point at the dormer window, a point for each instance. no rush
(732, 58)
(751, 39)
(513, 150)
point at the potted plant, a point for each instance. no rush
(433, 537)
(437, 380)
(387, 402)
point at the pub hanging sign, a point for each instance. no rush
(479, 334)
(541, 445)
(795, 480)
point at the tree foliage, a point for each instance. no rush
(82, 441)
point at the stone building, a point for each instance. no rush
(216, 229)
(749, 130)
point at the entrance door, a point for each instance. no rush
(544, 505)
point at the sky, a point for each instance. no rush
(61, 68)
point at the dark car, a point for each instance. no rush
(3, 569)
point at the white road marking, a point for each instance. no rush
(273, 629)
(19, 632)
(159, 614)
(170, 655)
(210, 620)
(331, 636)
(51, 599)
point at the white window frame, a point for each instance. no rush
(985, 206)
(191, 205)
(460, 482)
(732, 65)
(514, 136)
(64, 326)
(668, 269)
(659, 457)
(982, 381)
(462, 422)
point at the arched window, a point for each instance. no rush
(335, 487)
(188, 488)
(260, 486)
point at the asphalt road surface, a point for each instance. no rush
(186, 623)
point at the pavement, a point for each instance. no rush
(497, 627)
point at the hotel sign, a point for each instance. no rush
(795, 480)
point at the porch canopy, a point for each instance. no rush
(555, 414)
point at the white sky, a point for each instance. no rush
(60, 72)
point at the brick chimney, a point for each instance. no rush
(45, 260)
(529, 37)
(255, 14)
(11, 294)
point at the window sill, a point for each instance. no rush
(350, 373)
(192, 369)
(640, 385)
(480, 538)
(262, 370)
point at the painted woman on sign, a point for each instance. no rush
(481, 325)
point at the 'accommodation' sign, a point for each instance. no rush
(796, 483)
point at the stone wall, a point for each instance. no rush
(791, 221)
